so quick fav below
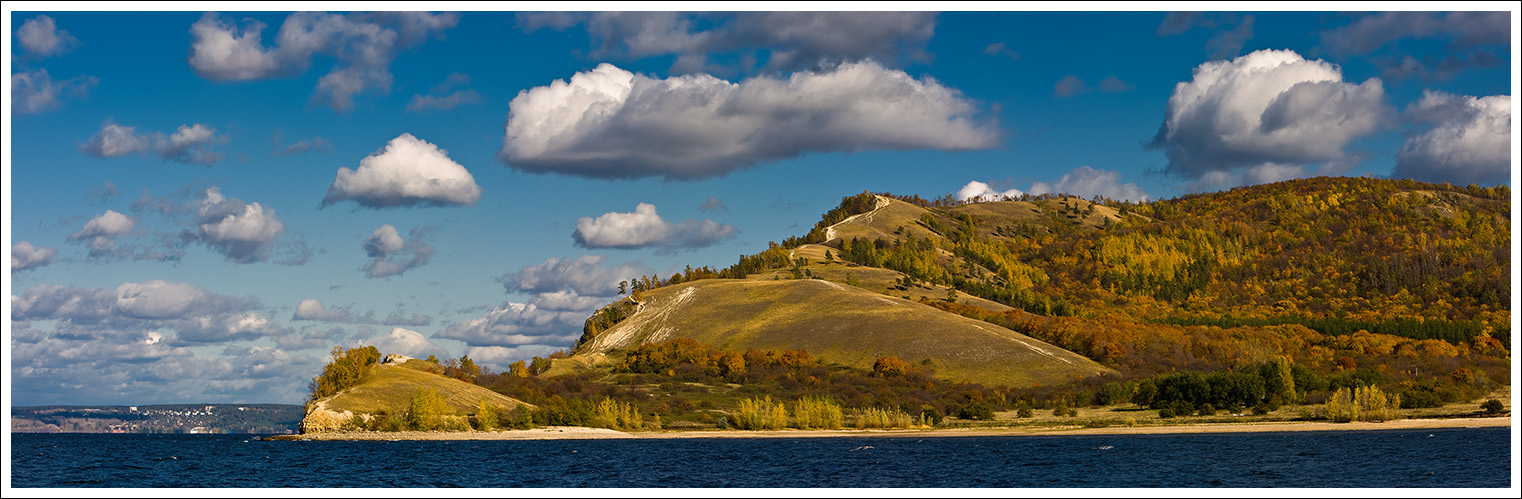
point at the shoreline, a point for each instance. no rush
(575, 433)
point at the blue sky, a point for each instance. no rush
(201, 204)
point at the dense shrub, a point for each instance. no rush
(616, 415)
(427, 411)
(487, 416)
(760, 414)
(1361, 404)
(976, 410)
(872, 417)
(810, 413)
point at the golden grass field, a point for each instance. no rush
(844, 325)
(391, 387)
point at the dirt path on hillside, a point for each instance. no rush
(882, 202)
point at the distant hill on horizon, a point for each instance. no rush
(157, 418)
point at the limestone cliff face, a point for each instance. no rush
(321, 420)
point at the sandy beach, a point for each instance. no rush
(571, 432)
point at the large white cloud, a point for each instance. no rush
(645, 228)
(392, 255)
(363, 45)
(40, 37)
(100, 233)
(586, 276)
(244, 233)
(26, 256)
(188, 144)
(408, 172)
(1471, 142)
(612, 123)
(35, 91)
(1270, 106)
(786, 40)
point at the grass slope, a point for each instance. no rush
(841, 324)
(390, 388)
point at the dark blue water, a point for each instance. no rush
(1477, 457)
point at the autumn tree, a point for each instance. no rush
(469, 366)
(349, 367)
(539, 365)
(426, 410)
(890, 366)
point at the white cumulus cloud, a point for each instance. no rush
(363, 46)
(1270, 106)
(100, 233)
(612, 123)
(1470, 143)
(644, 228)
(40, 37)
(26, 256)
(244, 233)
(188, 144)
(312, 310)
(392, 255)
(407, 172)
(975, 190)
(35, 91)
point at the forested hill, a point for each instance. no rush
(1340, 256)
(1337, 254)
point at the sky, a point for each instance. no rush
(200, 205)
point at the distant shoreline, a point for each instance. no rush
(571, 432)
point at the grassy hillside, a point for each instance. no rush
(389, 388)
(840, 324)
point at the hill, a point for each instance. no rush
(1309, 268)
(896, 311)
(388, 390)
(840, 324)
